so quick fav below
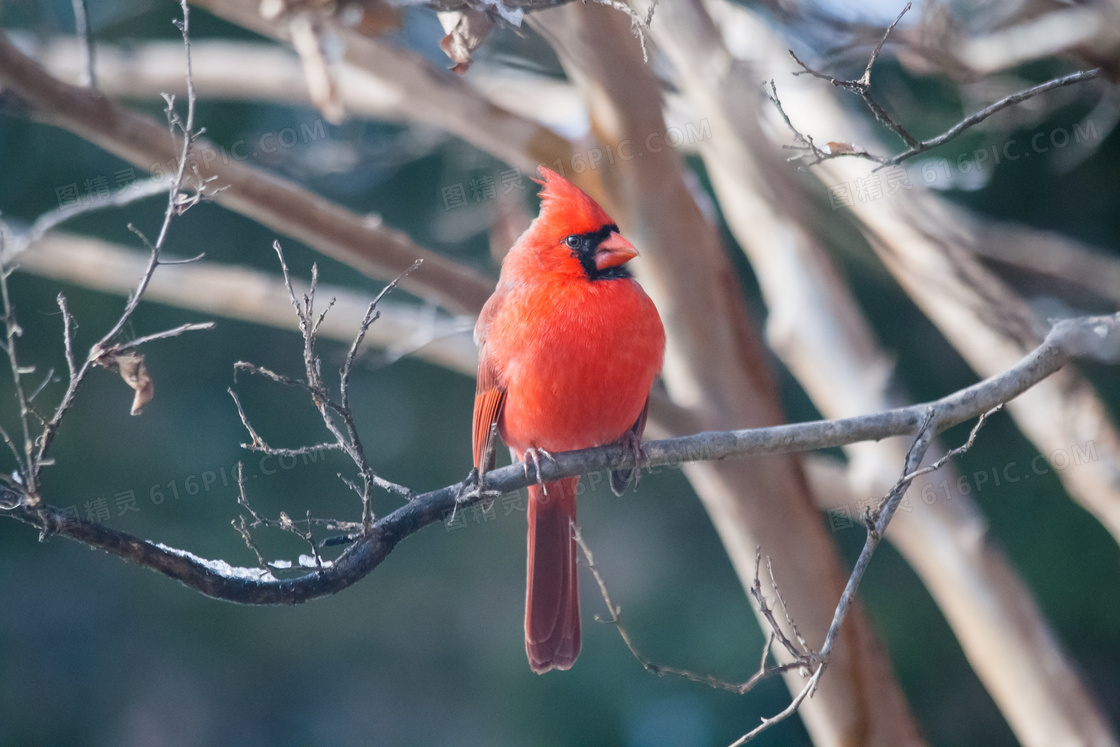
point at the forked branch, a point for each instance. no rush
(336, 414)
(39, 429)
(810, 153)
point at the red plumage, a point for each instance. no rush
(569, 345)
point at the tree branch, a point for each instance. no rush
(814, 154)
(108, 352)
(365, 244)
(739, 688)
(239, 292)
(1089, 338)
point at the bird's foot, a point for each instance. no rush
(631, 444)
(474, 488)
(533, 454)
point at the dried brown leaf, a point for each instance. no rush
(466, 31)
(132, 369)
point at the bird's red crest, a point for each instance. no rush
(564, 202)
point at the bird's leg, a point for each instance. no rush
(475, 483)
(472, 488)
(533, 454)
(631, 443)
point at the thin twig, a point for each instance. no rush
(12, 331)
(1088, 338)
(862, 88)
(268, 374)
(13, 448)
(258, 443)
(862, 85)
(52, 219)
(284, 523)
(786, 712)
(781, 601)
(68, 326)
(953, 453)
(768, 613)
(740, 688)
(1008, 101)
(175, 207)
(174, 332)
(48, 379)
(85, 41)
(346, 438)
(876, 522)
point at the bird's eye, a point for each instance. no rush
(573, 241)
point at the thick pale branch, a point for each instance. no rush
(417, 90)
(365, 244)
(1092, 338)
(252, 295)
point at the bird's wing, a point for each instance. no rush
(488, 400)
(489, 394)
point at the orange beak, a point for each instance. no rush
(614, 251)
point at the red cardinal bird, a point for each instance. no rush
(569, 345)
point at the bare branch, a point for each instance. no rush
(174, 332)
(786, 712)
(105, 353)
(862, 88)
(1089, 338)
(763, 672)
(105, 349)
(240, 292)
(366, 244)
(346, 436)
(876, 522)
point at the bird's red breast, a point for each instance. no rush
(569, 346)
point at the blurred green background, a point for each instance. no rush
(428, 649)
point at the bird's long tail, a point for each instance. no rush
(552, 593)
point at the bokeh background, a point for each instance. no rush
(428, 649)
